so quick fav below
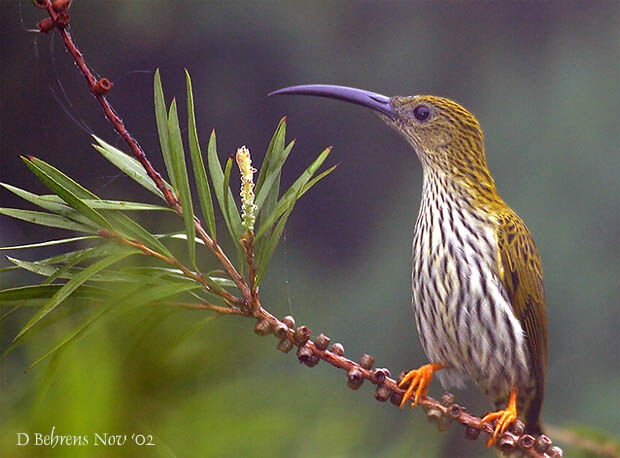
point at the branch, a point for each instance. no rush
(309, 352)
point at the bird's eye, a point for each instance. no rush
(422, 113)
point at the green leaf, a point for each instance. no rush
(265, 250)
(8, 313)
(53, 204)
(231, 217)
(225, 188)
(121, 205)
(45, 202)
(47, 219)
(92, 253)
(63, 180)
(68, 288)
(292, 194)
(51, 371)
(52, 268)
(42, 269)
(128, 165)
(200, 174)
(161, 118)
(54, 180)
(35, 292)
(178, 235)
(132, 230)
(277, 143)
(316, 179)
(273, 176)
(180, 173)
(48, 243)
(137, 297)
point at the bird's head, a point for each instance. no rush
(446, 137)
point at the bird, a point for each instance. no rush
(477, 281)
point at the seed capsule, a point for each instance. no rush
(447, 399)
(434, 415)
(337, 349)
(62, 20)
(280, 330)
(383, 393)
(517, 427)
(542, 443)
(455, 410)
(378, 376)
(304, 354)
(103, 86)
(355, 378)
(396, 398)
(366, 361)
(289, 321)
(45, 25)
(313, 360)
(555, 452)
(471, 433)
(302, 335)
(506, 443)
(263, 327)
(526, 441)
(61, 5)
(321, 342)
(285, 345)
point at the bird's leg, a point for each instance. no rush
(505, 417)
(420, 377)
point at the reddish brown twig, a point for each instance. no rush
(309, 352)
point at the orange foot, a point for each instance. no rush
(505, 417)
(421, 378)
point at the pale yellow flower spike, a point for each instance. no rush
(244, 161)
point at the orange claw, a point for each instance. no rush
(505, 417)
(421, 378)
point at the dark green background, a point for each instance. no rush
(542, 79)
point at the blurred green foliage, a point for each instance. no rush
(542, 79)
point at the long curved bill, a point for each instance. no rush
(372, 100)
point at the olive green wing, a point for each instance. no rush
(521, 274)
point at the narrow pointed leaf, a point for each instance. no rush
(292, 194)
(40, 269)
(225, 188)
(53, 204)
(33, 292)
(316, 179)
(84, 253)
(52, 178)
(161, 118)
(128, 165)
(273, 175)
(200, 174)
(47, 219)
(68, 288)
(182, 180)
(48, 243)
(63, 180)
(122, 205)
(224, 197)
(276, 143)
(9, 312)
